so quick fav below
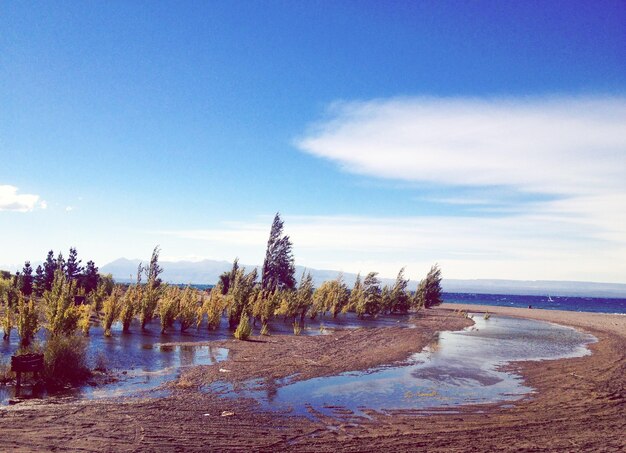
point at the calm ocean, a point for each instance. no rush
(570, 303)
(593, 304)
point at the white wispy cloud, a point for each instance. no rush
(572, 150)
(569, 146)
(11, 200)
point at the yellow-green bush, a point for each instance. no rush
(129, 305)
(111, 311)
(168, 307)
(188, 307)
(214, 307)
(61, 312)
(27, 320)
(84, 321)
(244, 329)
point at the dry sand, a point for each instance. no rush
(580, 404)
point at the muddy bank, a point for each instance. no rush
(579, 405)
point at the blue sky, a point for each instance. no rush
(486, 136)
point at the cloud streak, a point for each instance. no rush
(568, 146)
(11, 200)
(564, 157)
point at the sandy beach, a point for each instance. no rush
(578, 404)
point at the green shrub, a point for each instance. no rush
(98, 296)
(200, 310)
(148, 304)
(111, 311)
(297, 328)
(129, 304)
(244, 329)
(27, 320)
(265, 330)
(84, 321)
(61, 312)
(168, 307)
(214, 307)
(65, 360)
(188, 308)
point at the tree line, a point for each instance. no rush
(247, 298)
(36, 282)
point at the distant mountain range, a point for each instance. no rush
(208, 272)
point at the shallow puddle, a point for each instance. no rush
(143, 360)
(458, 368)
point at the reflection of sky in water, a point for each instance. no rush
(461, 368)
(159, 364)
(150, 362)
(147, 364)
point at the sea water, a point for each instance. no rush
(569, 303)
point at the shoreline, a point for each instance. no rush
(612, 322)
(578, 404)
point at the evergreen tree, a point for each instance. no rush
(400, 299)
(370, 302)
(26, 284)
(49, 268)
(72, 266)
(340, 295)
(278, 266)
(90, 278)
(39, 283)
(428, 292)
(60, 263)
(332, 295)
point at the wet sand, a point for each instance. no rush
(579, 404)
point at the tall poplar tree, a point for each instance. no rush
(278, 267)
